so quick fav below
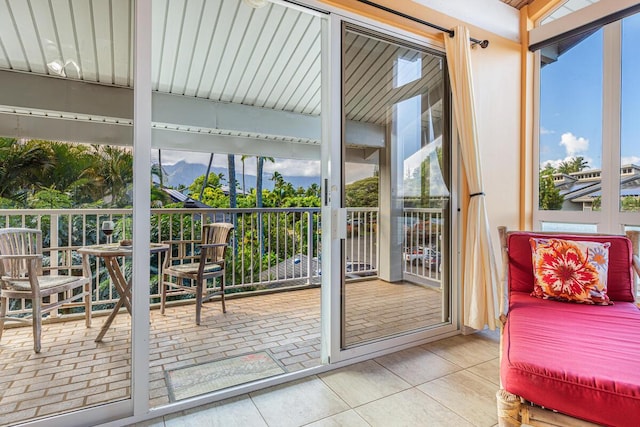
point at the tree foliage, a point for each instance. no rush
(549, 197)
(362, 193)
(574, 164)
(630, 204)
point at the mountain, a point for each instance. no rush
(184, 173)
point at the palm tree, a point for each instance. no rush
(313, 190)
(231, 161)
(233, 203)
(579, 163)
(63, 169)
(158, 171)
(259, 172)
(112, 173)
(244, 187)
(158, 196)
(574, 164)
(205, 182)
(20, 165)
(260, 167)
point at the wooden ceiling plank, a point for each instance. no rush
(253, 76)
(67, 37)
(307, 84)
(173, 30)
(122, 41)
(233, 48)
(298, 65)
(186, 49)
(204, 43)
(104, 40)
(28, 36)
(85, 40)
(293, 31)
(219, 41)
(10, 39)
(54, 61)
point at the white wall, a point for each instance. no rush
(497, 88)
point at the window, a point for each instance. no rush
(570, 124)
(588, 155)
(630, 126)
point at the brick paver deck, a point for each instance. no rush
(73, 371)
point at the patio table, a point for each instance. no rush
(110, 253)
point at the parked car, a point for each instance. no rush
(354, 226)
(424, 256)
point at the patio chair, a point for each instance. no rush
(190, 264)
(23, 277)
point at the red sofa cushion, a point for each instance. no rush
(581, 360)
(619, 281)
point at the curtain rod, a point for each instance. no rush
(483, 43)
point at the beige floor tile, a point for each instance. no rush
(348, 418)
(466, 351)
(410, 408)
(417, 365)
(363, 382)
(239, 411)
(156, 422)
(488, 370)
(298, 403)
(469, 395)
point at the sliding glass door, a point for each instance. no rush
(396, 178)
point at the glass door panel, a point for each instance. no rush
(630, 126)
(396, 193)
(66, 139)
(570, 150)
(236, 133)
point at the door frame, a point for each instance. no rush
(334, 217)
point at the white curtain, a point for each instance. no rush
(480, 272)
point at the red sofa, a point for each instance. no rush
(580, 360)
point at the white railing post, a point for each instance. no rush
(309, 246)
(53, 255)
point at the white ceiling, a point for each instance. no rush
(223, 51)
(219, 50)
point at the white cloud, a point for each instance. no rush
(545, 131)
(291, 167)
(630, 160)
(358, 171)
(573, 144)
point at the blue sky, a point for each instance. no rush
(571, 101)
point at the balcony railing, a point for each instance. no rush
(423, 251)
(272, 248)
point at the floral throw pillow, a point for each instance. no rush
(568, 270)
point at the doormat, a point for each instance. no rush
(207, 377)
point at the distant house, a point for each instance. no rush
(178, 197)
(581, 189)
(294, 268)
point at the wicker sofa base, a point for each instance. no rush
(514, 411)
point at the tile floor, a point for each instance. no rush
(73, 371)
(451, 382)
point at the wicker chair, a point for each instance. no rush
(191, 263)
(22, 277)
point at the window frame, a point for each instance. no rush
(609, 219)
